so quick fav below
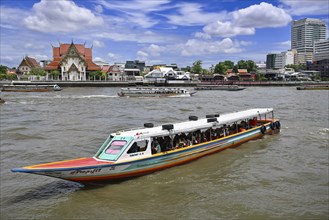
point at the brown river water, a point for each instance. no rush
(282, 176)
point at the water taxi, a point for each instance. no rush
(141, 151)
(313, 87)
(30, 88)
(154, 92)
(220, 87)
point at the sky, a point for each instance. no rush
(154, 31)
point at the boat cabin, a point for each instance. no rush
(150, 141)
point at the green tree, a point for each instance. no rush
(197, 67)
(96, 75)
(55, 74)
(249, 65)
(228, 64)
(3, 69)
(220, 68)
(38, 72)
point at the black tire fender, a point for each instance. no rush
(277, 124)
(263, 129)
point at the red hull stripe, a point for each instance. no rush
(81, 162)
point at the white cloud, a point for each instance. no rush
(201, 35)
(191, 14)
(97, 43)
(260, 16)
(11, 18)
(99, 59)
(99, 9)
(245, 21)
(60, 16)
(125, 35)
(141, 55)
(136, 11)
(200, 47)
(315, 7)
(155, 50)
(113, 56)
(227, 29)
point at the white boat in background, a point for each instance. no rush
(154, 92)
(31, 88)
(220, 87)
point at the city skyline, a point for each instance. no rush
(161, 31)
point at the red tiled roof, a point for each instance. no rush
(242, 71)
(60, 52)
(30, 62)
(105, 69)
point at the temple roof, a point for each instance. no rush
(62, 51)
(30, 62)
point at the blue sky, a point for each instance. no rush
(156, 31)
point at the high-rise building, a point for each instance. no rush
(280, 60)
(303, 34)
(321, 50)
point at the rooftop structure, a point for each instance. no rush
(27, 64)
(73, 61)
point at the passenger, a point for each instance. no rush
(133, 149)
(180, 144)
(156, 148)
(188, 142)
(253, 122)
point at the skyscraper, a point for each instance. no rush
(303, 34)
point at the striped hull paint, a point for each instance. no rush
(91, 169)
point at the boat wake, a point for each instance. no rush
(84, 96)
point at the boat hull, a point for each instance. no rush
(29, 88)
(220, 88)
(92, 170)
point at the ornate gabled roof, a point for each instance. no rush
(66, 50)
(30, 62)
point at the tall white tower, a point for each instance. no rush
(303, 34)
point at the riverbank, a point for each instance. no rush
(171, 83)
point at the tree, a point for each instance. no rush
(96, 74)
(197, 67)
(3, 69)
(54, 74)
(228, 64)
(220, 68)
(249, 65)
(38, 72)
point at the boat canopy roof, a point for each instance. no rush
(199, 124)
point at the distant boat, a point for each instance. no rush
(154, 92)
(220, 87)
(31, 88)
(2, 101)
(313, 87)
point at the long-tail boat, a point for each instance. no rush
(145, 150)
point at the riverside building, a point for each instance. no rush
(73, 61)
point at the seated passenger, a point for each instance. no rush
(156, 148)
(133, 149)
(253, 122)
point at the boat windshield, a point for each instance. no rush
(114, 149)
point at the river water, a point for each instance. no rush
(282, 176)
